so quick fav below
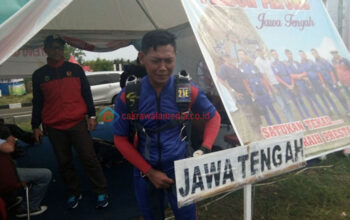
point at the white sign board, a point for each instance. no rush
(201, 177)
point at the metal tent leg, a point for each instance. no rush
(247, 202)
(27, 197)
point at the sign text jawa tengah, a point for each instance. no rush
(200, 177)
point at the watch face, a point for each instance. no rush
(198, 153)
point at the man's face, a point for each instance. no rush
(55, 51)
(302, 55)
(335, 55)
(159, 64)
(315, 53)
(228, 61)
(274, 55)
(243, 56)
(260, 53)
(289, 55)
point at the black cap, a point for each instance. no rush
(52, 38)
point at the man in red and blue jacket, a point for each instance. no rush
(154, 173)
(61, 100)
(328, 80)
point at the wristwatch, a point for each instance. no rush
(202, 150)
(198, 153)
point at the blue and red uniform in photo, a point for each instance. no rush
(254, 80)
(165, 146)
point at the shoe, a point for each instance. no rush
(73, 201)
(21, 213)
(102, 201)
(15, 203)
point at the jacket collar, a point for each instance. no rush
(166, 86)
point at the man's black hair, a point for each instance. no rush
(156, 38)
(53, 38)
(334, 52)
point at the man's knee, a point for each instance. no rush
(46, 175)
(43, 175)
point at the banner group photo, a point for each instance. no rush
(280, 66)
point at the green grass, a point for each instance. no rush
(4, 100)
(25, 125)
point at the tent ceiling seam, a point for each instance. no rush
(147, 14)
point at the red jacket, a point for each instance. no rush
(61, 96)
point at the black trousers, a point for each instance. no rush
(80, 138)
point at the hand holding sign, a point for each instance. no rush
(159, 179)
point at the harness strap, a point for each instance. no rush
(183, 100)
(132, 93)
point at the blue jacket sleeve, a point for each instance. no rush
(86, 93)
(37, 101)
(121, 126)
(202, 105)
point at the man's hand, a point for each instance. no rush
(11, 139)
(274, 90)
(9, 145)
(38, 134)
(270, 94)
(238, 95)
(92, 123)
(253, 96)
(159, 179)
(201, 151)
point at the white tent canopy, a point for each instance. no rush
(104, 22)
(98, 26)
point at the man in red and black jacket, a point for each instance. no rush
(61, 100)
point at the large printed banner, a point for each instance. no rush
(200, 177)
(283, 64)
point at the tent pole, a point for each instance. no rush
(248, 202)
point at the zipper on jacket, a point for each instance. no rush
(57, 73)
(158, 133)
